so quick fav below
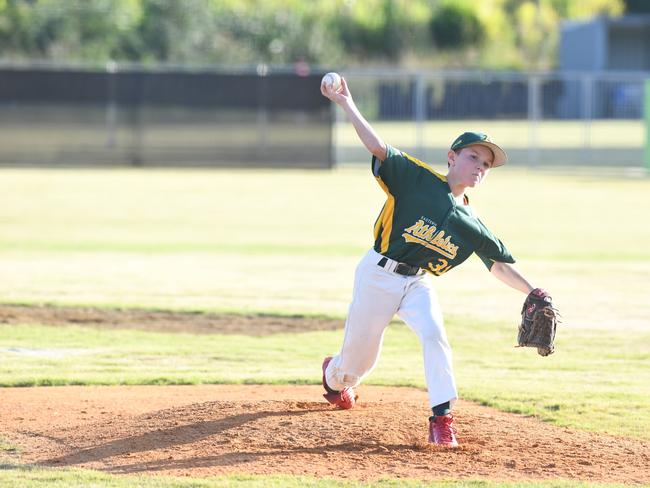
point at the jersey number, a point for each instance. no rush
(441, 267)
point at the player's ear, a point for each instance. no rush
(451, 158)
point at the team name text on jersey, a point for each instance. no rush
(430, 237)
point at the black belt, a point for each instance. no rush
(401, 268)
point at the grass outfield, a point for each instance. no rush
(68, 478)
(512, 134)
(288, 241)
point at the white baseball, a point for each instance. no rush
(332, 79)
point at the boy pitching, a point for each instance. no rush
(426, 227)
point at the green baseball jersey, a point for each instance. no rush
(421, 223)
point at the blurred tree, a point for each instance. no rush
(526, 32)
(455, 26)
(82, 30)
(536, 33)
(174, 31)
(60, 29)
(572, 9)
(15, 35)
(274, 31)
(378, 29)
(490, 33)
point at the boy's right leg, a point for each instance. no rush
(421, 311)
(376, 297)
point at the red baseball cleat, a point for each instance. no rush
(442, 431)
(344, 399)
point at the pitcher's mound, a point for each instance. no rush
(211, 430)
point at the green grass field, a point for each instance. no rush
(32, 478)
(286, 242)
(562, 145)
(513, 134)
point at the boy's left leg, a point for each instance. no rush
(375, 298)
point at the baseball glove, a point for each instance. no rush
(538, 322)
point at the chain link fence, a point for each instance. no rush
(277, 117)
(163, 117)
(541, 119)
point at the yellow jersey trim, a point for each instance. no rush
(434, 172)
(425, 166)
(385, 219)
(378, 223)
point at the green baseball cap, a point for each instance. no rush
(477, 138)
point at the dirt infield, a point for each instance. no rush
(213, 430)
(164, 321)
(226, 429)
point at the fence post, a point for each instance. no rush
(262, 112)
(588, 82)
(137, 110)
(420, 114)
(534, 116)
(646, 104)
(111, 106)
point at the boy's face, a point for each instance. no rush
(471, 164)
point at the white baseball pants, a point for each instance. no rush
(378, 295)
